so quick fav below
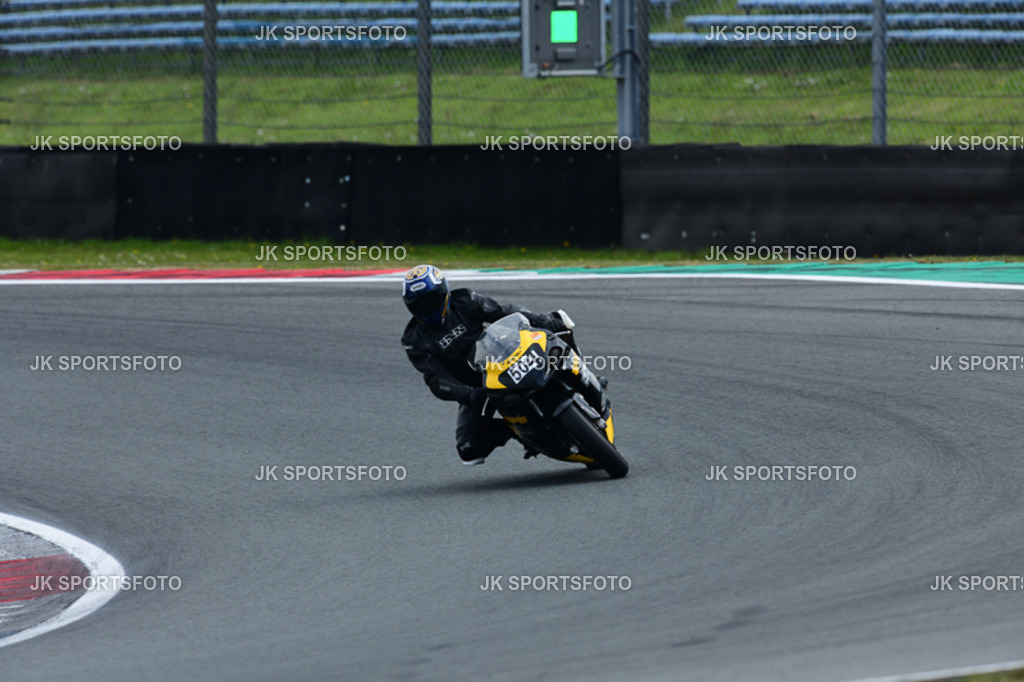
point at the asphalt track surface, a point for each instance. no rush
(360, 580)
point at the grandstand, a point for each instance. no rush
(53, 26)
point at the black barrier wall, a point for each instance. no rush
(344, 193)
(466, 194)
(225, 192)
(880, 201)
(56, 195)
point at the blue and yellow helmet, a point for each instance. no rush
(425, 292)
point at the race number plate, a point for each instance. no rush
(525, 365)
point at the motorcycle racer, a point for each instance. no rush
(438, 340)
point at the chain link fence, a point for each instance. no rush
(747, 71)
(799, 72)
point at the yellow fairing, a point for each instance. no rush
(609, 430)
(526, 339)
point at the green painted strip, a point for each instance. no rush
(994, 272)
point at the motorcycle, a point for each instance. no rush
(537, 381)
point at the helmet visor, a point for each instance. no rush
(428, 303)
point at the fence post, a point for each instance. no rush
(627, 72)
(879, 71)
(644, 72)
(209, 71)
(424, 73)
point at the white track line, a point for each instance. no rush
(734, 275)
(458, 275)
(95, 559)
(947, 673)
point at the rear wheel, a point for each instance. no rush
(590, 440)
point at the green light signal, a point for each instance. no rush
(564, 26)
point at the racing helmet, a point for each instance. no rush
(425, 292)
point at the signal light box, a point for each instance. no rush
(563, 37)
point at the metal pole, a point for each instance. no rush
(424, 71)
(644, 70)
(879, 71)
(210, 71)
(624, 51)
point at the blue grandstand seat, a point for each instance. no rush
(248, 27)
(937, 35)
(41, 26)
(835, 6)
(860, 21)
(227, 42)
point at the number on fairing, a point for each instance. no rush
(524, 365)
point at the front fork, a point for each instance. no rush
(584, 380)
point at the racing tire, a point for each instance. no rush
(592, 442)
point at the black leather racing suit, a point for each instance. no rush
(441, 354)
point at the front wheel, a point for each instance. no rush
(591, 442)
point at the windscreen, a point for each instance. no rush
(498, 341)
